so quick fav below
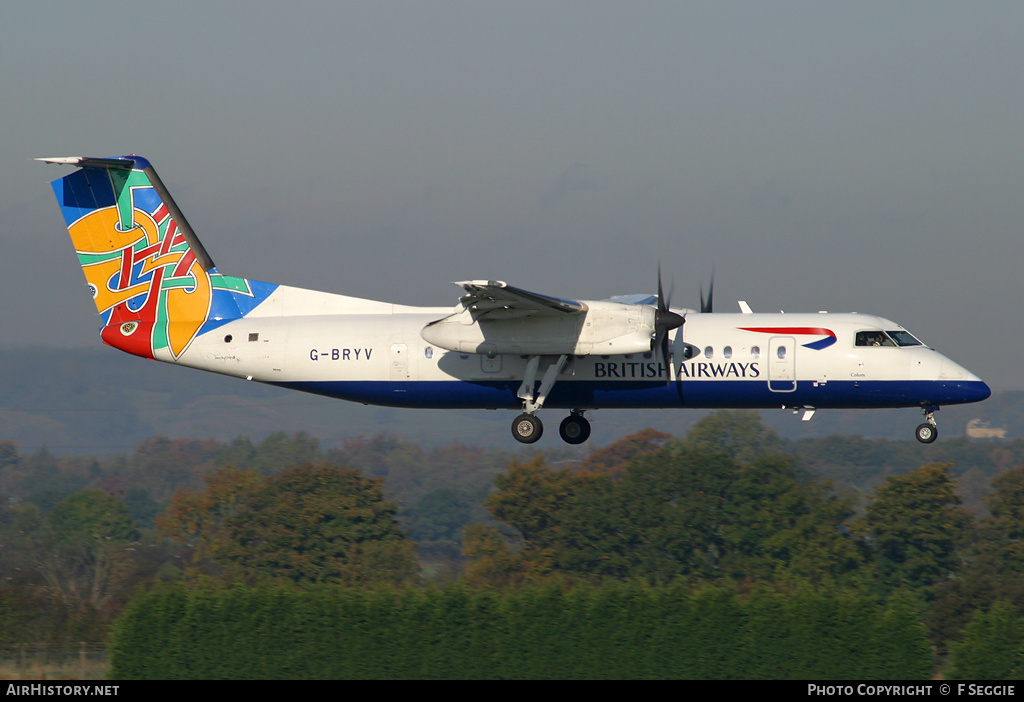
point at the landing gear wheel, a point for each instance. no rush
(527, 428)
(927, 433)
(574, 429)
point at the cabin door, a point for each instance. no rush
(782, 364)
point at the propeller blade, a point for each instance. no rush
(679, 377)
(665, 320)
(661, 294)
(709, 305)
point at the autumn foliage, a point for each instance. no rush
(307, 524)
(730, 508)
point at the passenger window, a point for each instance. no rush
(755, 352)
(727, 352)
(708, 352)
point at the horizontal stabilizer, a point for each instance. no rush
(124, 163)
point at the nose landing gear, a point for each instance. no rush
(927, 432)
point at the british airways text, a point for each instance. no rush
(700, 369)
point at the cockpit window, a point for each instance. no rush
(892, 338)
(904, 338)
(874, 338)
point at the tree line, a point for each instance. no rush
(730, 505)
(616, 631)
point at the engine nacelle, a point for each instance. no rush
(603, 328)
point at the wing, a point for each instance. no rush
(495, 318)
(493, 299)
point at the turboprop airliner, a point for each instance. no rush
(160, 296)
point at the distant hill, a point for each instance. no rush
(100, 401)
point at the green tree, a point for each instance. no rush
(535, 501)
(614, 458)
(916, 528)
(994, 570)
(196, 519)
(440, 515)
(309, 524)
(85, 548)
(278, 451)
(532, 499)
(491, 562)
(992, 646)
(688, 509)
(18, 522)
(161, 465)
(663, 519)
(779, 526)
(737, 433)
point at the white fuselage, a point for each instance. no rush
(159, 295)
(374, 352)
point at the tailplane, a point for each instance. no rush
(155, 286)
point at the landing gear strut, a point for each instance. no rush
(527, 428)
(929, 431)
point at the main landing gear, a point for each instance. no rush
(574, 429)
(527, 428)
(927, 432)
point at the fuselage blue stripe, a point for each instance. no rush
(611, 394)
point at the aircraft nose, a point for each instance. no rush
(979, 390)
(962, 385)
(969, 387)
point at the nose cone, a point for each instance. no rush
(962, 385)
(976, 391)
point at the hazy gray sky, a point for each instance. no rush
(864, 156)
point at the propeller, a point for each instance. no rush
(708, 306)
(665, 320)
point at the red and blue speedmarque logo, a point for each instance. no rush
(830, 336)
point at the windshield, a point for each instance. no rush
(892, 338)
(904, 338)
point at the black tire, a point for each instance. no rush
(527, 429)
(574, 429)
(926, 433)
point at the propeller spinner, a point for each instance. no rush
(665, 320)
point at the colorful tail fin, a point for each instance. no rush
(155, 286)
